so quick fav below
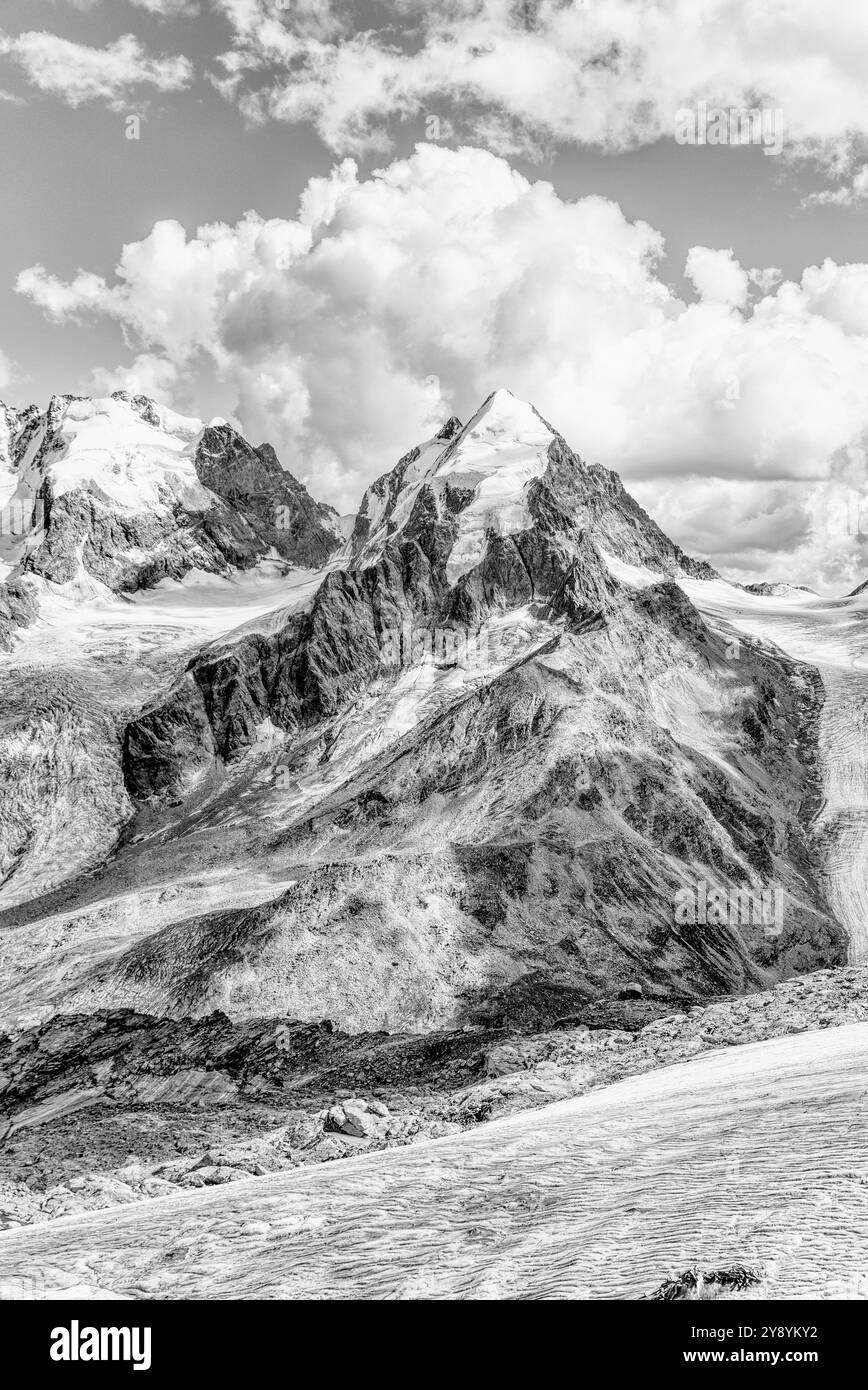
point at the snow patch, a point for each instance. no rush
(110, 451)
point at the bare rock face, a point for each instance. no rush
(18, 608)
(280, 512)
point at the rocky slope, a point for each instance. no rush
(316, 842)
(114, 515)
(482, 520)
(461, 775)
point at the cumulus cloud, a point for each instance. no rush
(794, 531)
(612, 75)
(346, 334)
(79, 73)
(62, 300)
(717, 276)
(765, 277)
(147, 375)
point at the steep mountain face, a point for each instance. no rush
(462, 773)
(9, 428)
(314, 839)
(279, 511)
(127, 493)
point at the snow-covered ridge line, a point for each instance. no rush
(127, 451)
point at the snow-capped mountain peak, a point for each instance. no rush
(497, 454)
(504, 415)
(517, 697)
(478, 473)
(505, 472)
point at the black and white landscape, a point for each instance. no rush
(322, 841)
(437, 876)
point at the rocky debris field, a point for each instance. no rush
(99, 1111)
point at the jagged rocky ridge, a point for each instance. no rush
(310, 883)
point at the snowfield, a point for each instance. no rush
(105, 446)
(754, 1155)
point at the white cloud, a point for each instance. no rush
(717, 276)
(765, 277)
(845, 195)
(148, 375)
(78, 73)
(347, 334)
(610, 74)
(168, 9)
(164, 9)
(795, 531)
(59, 300)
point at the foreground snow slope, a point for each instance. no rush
(754, 1155)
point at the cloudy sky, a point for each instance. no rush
(339, 222)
